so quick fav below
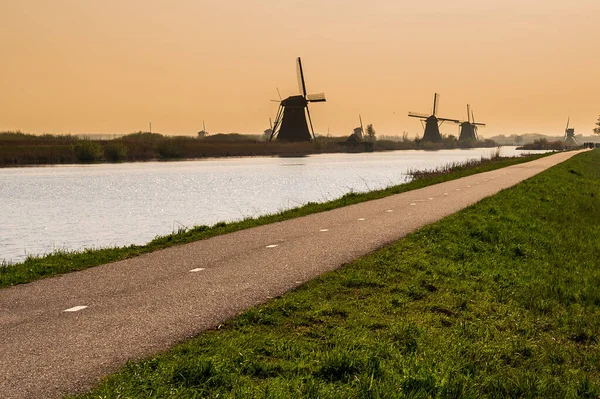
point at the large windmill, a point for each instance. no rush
(468, 128)
(290, 123)
(569, 138)
(432, 125)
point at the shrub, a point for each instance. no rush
(116, 151)
(88, 151)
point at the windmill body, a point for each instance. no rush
(432, 122)
(293, 126)
(291, 123)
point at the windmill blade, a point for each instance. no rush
(475, 132)
(568, 120)
(316, 98)
(362, 131)
(418, 115)
(310, 121)
(436, 99)
(301, 83)
(478, 124)
(279, 94)
(448, 120)
(271, 125)
(468, 114)
(278, 119)
(472, 116)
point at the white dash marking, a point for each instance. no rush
(298, 282)
(361, 219)
(430, 198)
(445, 193)
(412, 204)
(458, 189)
(323, 230)
(198, 269)
(271, 246)
(390, 210)
(75, 308)
(468, 186)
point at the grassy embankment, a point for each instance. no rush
(499, 300)
(18, 149)
(35, 267)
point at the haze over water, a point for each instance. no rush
(76, 207)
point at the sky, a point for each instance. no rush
(113, 66)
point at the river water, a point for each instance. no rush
(43, 209)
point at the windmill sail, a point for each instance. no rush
(316, 98)
(300, 73)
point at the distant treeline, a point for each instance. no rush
(17, 148)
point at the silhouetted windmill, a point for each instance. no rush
(468, 128)
(569, 138)
(432, 125)
(290, 123)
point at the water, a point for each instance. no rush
(43, 209)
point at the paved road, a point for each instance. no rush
(61, 335)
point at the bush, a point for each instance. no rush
(116, 151)
(88, 151)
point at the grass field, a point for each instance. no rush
(500, 300)
(34, 267)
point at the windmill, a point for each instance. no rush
(569, 138)
(468, 128)
(203, 132)
(358, 134)
(290, 122)
(432, 125)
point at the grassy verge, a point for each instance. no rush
(500, 300)
(34, 267)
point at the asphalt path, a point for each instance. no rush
(61, 335)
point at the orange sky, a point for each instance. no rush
(108, 66)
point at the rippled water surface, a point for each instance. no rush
(75, 207)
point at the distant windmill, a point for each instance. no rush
(569, 138)
(358, 134)
(290, 123)
(203, 132)
(432, 125)
(468, 128)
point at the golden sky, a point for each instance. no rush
(112, 66)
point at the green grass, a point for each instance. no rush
(500, 300)
(59, 262)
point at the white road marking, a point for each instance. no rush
(361, 219)
(390, 210)
(298, 282)
(75, 308)
(458, 189)
(198, 269)
(468, 186)
(324, 230)
(413, 204)
(271, 246)
(430, 198)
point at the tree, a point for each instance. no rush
(370, 132)
(597, 129)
